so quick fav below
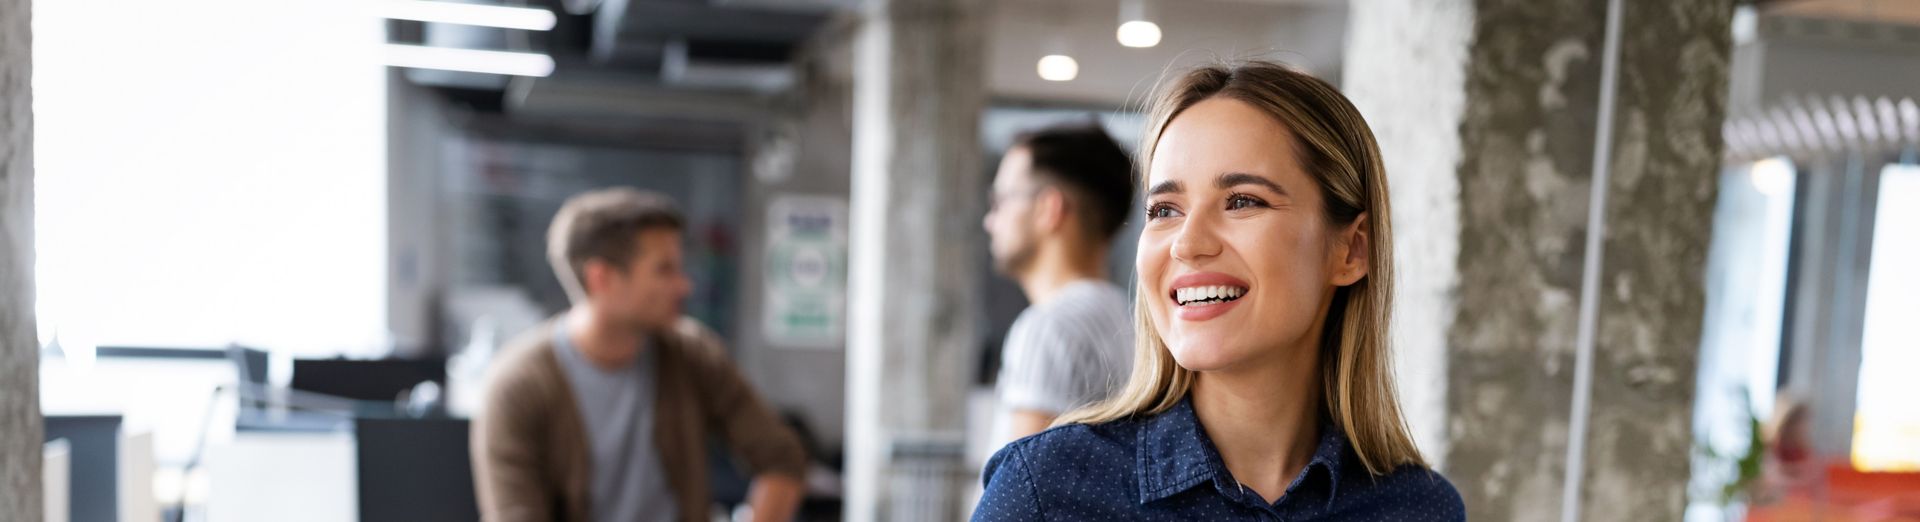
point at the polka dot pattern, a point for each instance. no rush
(1164, 467)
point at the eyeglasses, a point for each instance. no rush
(995, 199)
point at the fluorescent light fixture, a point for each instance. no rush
(1138, 33)
(483, 15)
(469, 60)
(1058, 68)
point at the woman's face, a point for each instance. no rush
(1237, 257)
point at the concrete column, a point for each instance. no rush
(20, 431)
(919, 87)
(1491, 139)
(1657, 226)
(1418, 127)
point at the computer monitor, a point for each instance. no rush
(366, 380)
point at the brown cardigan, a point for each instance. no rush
(530, 454)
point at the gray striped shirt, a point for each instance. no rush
(1070, 351)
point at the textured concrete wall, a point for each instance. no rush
(1516, 211)
(19, 343)
(1659, 215)
(913, 303)
(1532, 91)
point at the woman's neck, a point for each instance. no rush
(1264, 421)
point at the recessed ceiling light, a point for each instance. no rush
(1138, 33)
(1058, 68)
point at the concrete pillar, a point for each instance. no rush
(919, 87)
(1489, 114)
(20, 432)
(1418, 127)
(1657, 226)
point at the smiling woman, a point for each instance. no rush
(1261, 383)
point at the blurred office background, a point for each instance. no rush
(257, 256)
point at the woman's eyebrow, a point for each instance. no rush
(1166, 187)
(1234, 179)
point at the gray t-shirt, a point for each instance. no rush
(617, 408)
(1071, 351)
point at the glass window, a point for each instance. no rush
(210, 172)
(1886, 433)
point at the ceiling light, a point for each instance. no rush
(1138, 33)
(1772, 176)
(469, 60)
(1058, 68)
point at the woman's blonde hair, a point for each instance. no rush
(1339, 152)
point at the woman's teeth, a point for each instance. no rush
(1207, 294)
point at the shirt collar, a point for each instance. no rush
(1175, 455)
(1328, 456)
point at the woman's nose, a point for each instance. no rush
(1196, 239)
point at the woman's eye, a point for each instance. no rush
(1237, 202)
(1161, 211)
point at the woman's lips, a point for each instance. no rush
(1202, 311)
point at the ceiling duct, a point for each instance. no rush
(701, 44)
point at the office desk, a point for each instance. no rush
(283, 477)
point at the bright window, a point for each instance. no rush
(1746, 281)
(1886, 433)
(209, 172)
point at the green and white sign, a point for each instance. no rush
(806, 277)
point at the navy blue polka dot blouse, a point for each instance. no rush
(1164, 467)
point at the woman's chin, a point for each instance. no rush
(1201, 355)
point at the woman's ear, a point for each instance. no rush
(1354, 252)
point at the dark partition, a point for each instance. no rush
(414, 470)
(94, 485)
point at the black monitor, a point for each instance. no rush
(414, 470)
(366, 380)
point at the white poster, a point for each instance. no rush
(806, 272)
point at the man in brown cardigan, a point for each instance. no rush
(603, 412)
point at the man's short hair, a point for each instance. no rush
(603, 224)
(1090, 167)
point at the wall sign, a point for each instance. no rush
(806, 272)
